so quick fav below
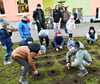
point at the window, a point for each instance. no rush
(22, 6)
(98, 13)
(78, 11)
(2, 11)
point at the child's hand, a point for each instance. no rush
(68, 65)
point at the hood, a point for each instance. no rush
(79, 45)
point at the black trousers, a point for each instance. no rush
(39, 25)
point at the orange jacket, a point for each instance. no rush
(23, 52)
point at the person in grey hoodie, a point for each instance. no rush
(80, 57)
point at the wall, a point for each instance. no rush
(11, 9)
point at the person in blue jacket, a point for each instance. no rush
(24, 28)
(5, 38)
(58, 40)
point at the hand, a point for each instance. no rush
(4, 47)
(68, 65)
(35, 72)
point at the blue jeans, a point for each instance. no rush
(65, 27)
(8, 54)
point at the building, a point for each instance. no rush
(12, 10)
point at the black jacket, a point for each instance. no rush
(57, 15)
(36, 15)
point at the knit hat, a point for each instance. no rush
(5, 23)
(58, 33)
(70, 43)
(43, 48)
(34, 47)
(29, 39)
(38, 5)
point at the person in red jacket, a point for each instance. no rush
(24, 55)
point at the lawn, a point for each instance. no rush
(52, 69)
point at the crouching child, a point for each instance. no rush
(91, 35)
(24, 55)
(81, 57)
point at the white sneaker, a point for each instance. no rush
(57, 49)
(22, 68)
(7, 62)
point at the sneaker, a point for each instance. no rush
(82, 73)
(57, 49)
(23, 81)
(22, 68)
(7, 62)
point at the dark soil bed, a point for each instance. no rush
(69, 81)
(94, 52)
(39, 76)
(43, 58)
(71, 70)
(48, 64)
(59, 56)
(98, 57)
(52, 73)
(63, 62)
(38, 65)
(94, 70)
(87, 48)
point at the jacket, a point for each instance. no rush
(23, 52)
(24, 30)
(57, 15)
(5, 38)
(65, 15)
(78, 55)
(44, 33)
(36, 15)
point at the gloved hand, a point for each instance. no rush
(94, 39)
(4, 47)
(35, 72)
(91, 39)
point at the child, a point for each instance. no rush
(44, 37)
(80, 57)
(26, 42)
(71, 26)
(24, 55)
(5, 38)
(58, 40)
(91, 35)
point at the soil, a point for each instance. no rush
(98, 57)
(94, 70)
(71, 70)
(52, 73)
(43, 58)
(39, 76)
(38, 65)
(63, 62)
(87, 48)
(48, 64)
(59, 56)
(94, 53)
(69, 81)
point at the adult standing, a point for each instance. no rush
(65, 18)
(57, 17)
(38, 16)
(24, 28)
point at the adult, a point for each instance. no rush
(65, 18)
(38, 16)
(24, 28)
(57, 17)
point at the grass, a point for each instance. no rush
(10, 74)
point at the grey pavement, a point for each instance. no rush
(80, 31)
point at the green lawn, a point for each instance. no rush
(10, 74)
